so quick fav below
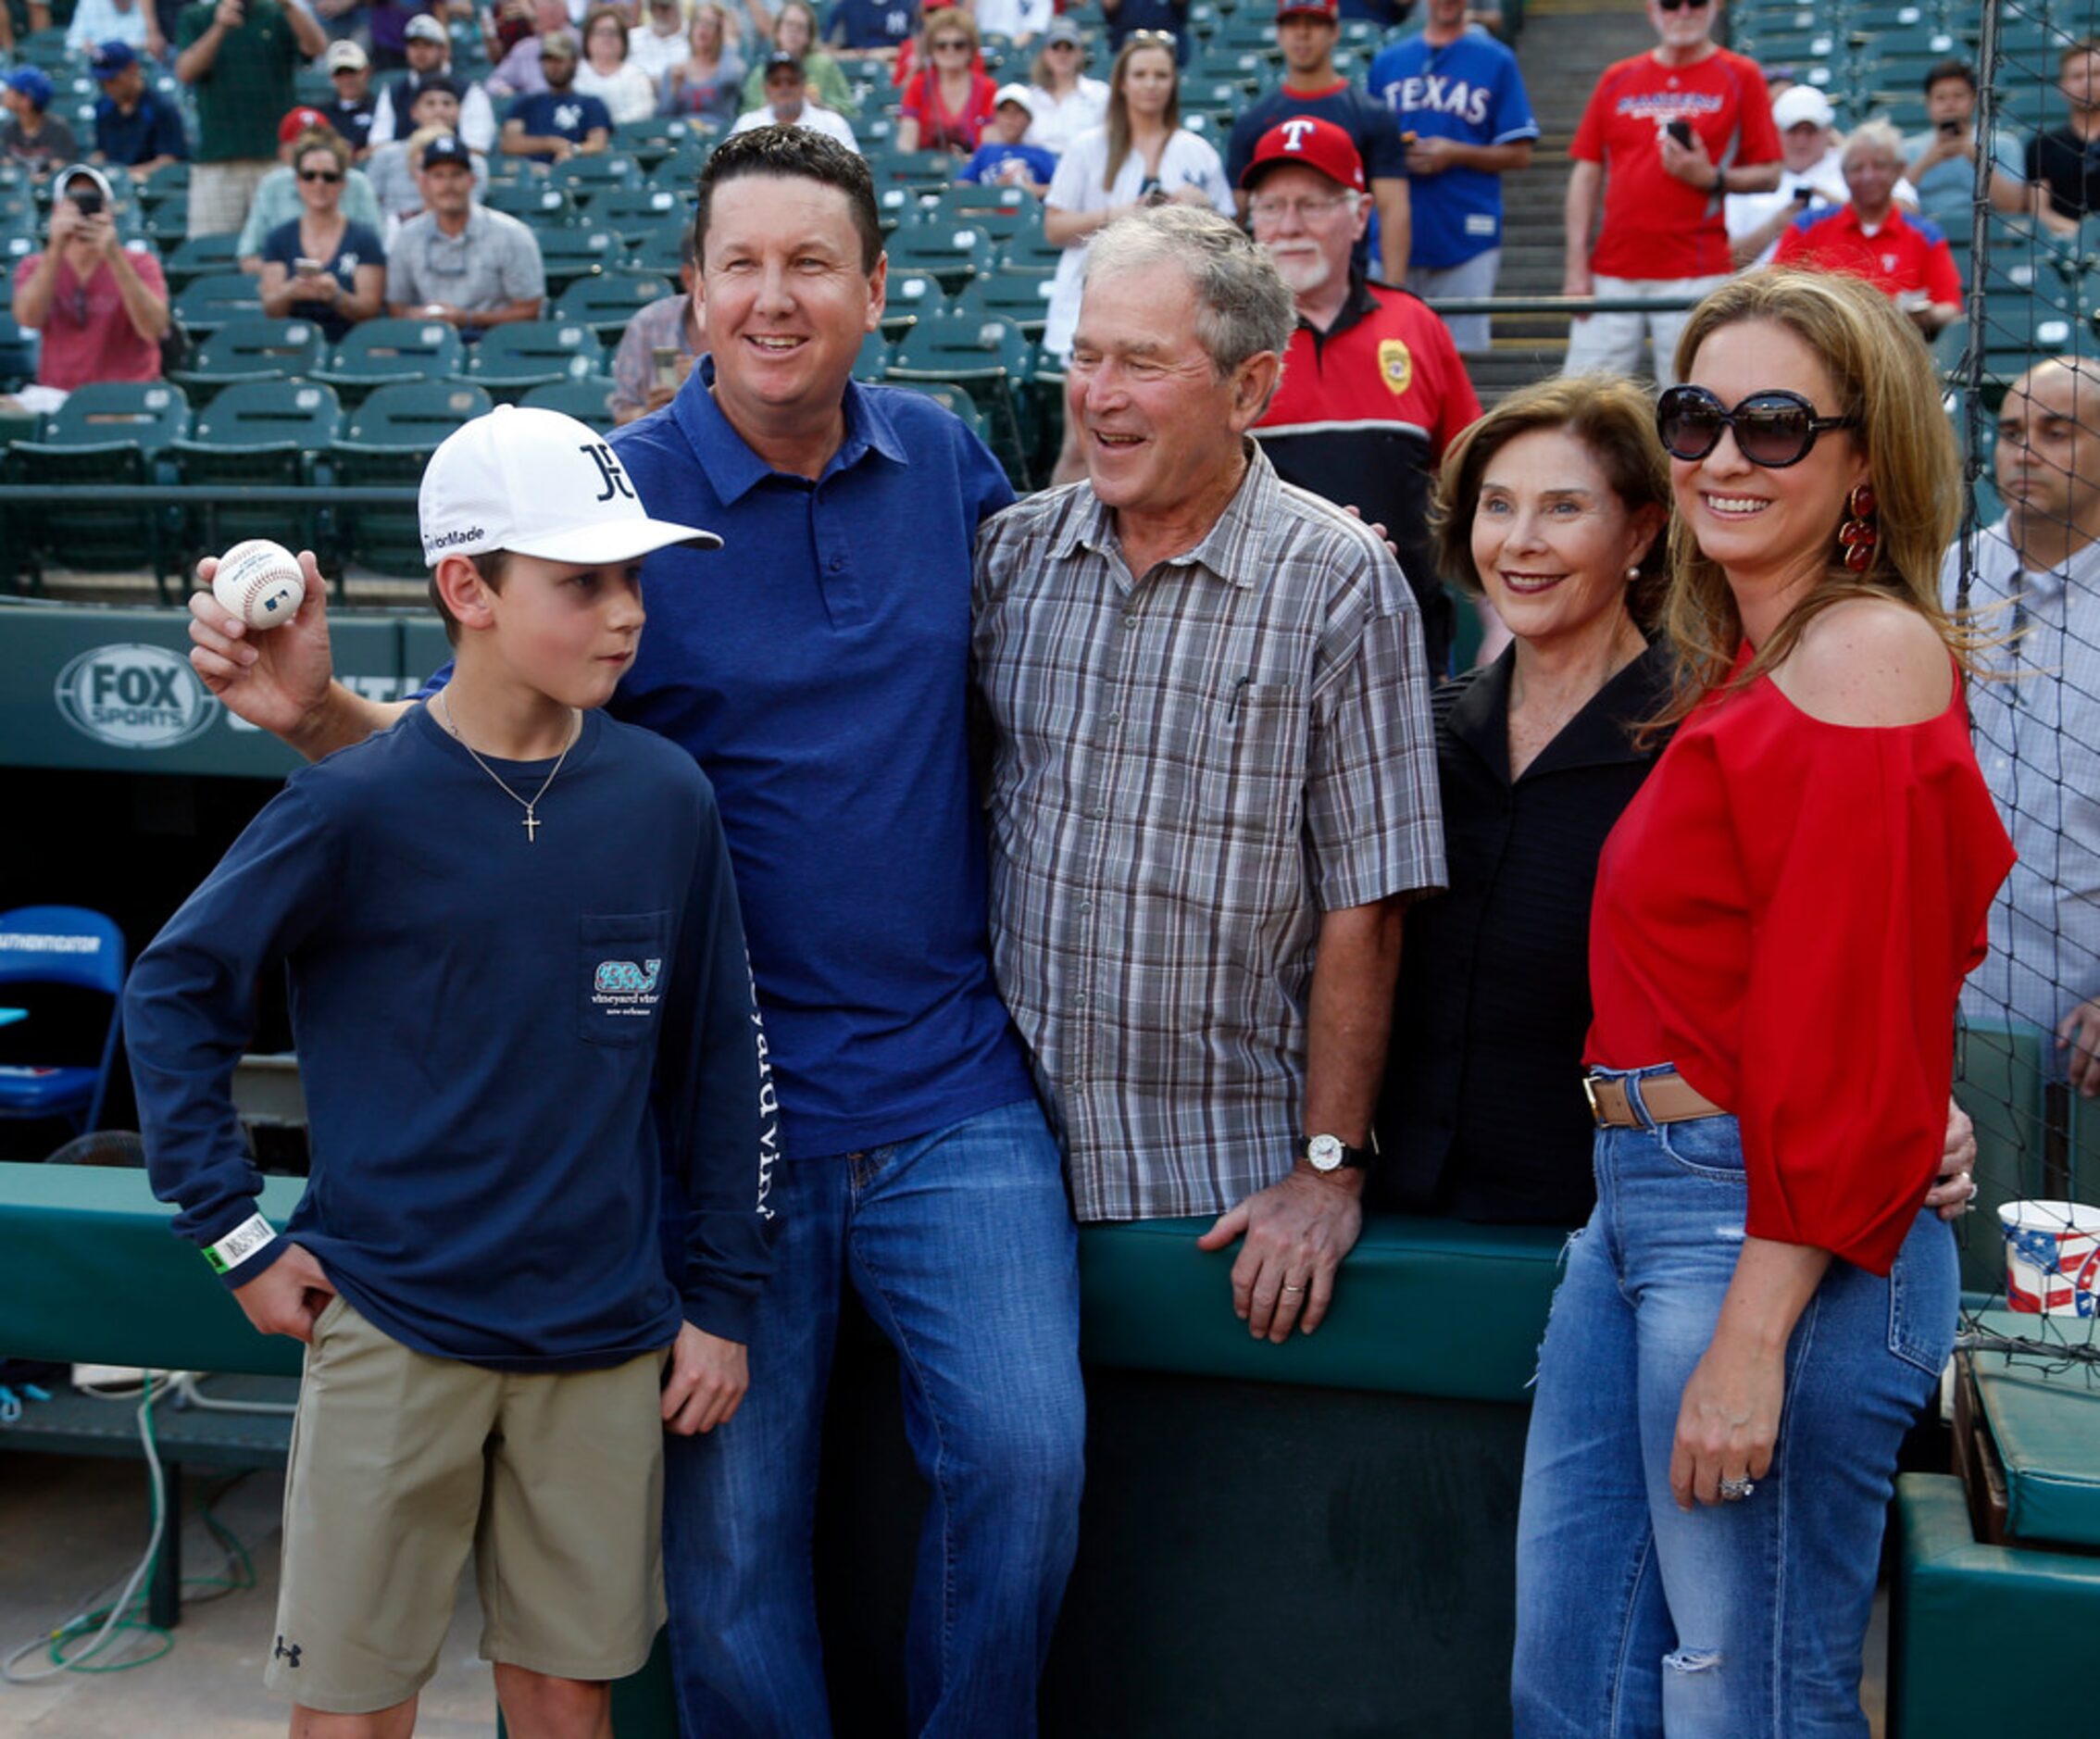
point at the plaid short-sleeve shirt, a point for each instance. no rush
(1190, 766)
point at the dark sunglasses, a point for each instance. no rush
(331, 176)
(1775, 429)
(951, 42)
(1678, 6)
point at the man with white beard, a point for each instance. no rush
(1373, 389)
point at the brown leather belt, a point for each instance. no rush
(1670, 1098)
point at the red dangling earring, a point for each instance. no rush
(1858, 536)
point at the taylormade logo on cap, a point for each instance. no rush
(541, 484)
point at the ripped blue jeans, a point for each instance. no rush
(1744, 1620)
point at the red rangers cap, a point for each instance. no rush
(1318, 144)
(1328, 9)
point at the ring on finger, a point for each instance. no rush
(1288, 1287)
(1735, 1491)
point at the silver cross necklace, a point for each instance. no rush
(531, 823)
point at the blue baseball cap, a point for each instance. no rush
(110, 59)
(30, 82)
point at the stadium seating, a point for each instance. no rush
(260, 431)
(569, 252)
(111, 434)
(607, 302)
(390, 437)
(208, 302)
(588, 398)
(991, 360)
(512, 359)
(257, 349)
(382, 351)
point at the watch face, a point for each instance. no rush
(1325, 1152)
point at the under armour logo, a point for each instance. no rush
(290, 1657)
(608, 468)
(1297, 131)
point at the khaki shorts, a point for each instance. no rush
(402, 1462)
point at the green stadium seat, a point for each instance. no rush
(1022, 297)
(910, 296)
(388, 440)
(992, 360)
(109, 434)
(512, 359)
(261, 432)
(382, 351)
(257, 349)
(951, 397)
(929, 171)
(588, 399)
(1003, 213)
(198, 254)
(586, 176)
(955, 253)
(532, 202)
(607, 302)
(209, 301)
(650, 141)
(571, 252)
(632, 212)
(874, 362)
(170, 182)
(660, 250)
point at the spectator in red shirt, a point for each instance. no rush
(1908, 256)
(1667, 137)
(1373, 389)
(947, 104)
(101, 307)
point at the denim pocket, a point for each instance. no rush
(1924, 1298)
(621, 967)
(1708, 1147)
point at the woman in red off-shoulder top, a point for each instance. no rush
(1761, 1303)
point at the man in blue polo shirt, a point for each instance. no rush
(1466, 122)
(1306, 30)
(134, 130)
(818, 672)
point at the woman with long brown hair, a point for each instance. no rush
(1762, 1301)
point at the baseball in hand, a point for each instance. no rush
(260, 583)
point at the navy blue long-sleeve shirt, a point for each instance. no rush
(506, 1046)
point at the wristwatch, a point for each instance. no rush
(1331, 1153)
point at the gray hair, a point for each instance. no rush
(1876, 135)
(1243, 305)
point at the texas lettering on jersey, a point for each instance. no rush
(1437, 94)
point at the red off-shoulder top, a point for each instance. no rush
(1786, 911)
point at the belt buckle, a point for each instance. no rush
(1590, 1093)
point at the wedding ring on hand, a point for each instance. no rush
(1288, 1287)
(1735, 1491)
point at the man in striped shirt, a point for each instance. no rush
(1212, 787)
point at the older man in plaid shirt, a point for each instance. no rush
(1213, 787)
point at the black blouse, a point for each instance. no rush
(1482, 1115)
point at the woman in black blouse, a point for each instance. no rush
(1552, 505)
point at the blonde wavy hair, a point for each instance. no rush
(1881, 375)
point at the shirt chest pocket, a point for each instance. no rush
(1236, 757)
(623, 963)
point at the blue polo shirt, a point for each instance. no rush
(153, 129)
(872, 23)
(1470, 91)
(817, 669)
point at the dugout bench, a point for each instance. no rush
(1315, 1538)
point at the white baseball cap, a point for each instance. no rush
(1012, 93)
(1801, 105)
(539, 483)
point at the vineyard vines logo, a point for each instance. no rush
(135, 697)
(620, 987)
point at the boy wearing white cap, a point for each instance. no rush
(521, 1000)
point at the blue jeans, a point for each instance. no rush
(1742, 1621)
(961, 1246)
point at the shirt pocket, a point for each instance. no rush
(1255, 770)
(622, 968)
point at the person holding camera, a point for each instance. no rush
(1810, 177)
(101, 307)
(1666, 138)
(1942, 158)
(320, 266)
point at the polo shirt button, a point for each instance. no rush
(837, 562)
